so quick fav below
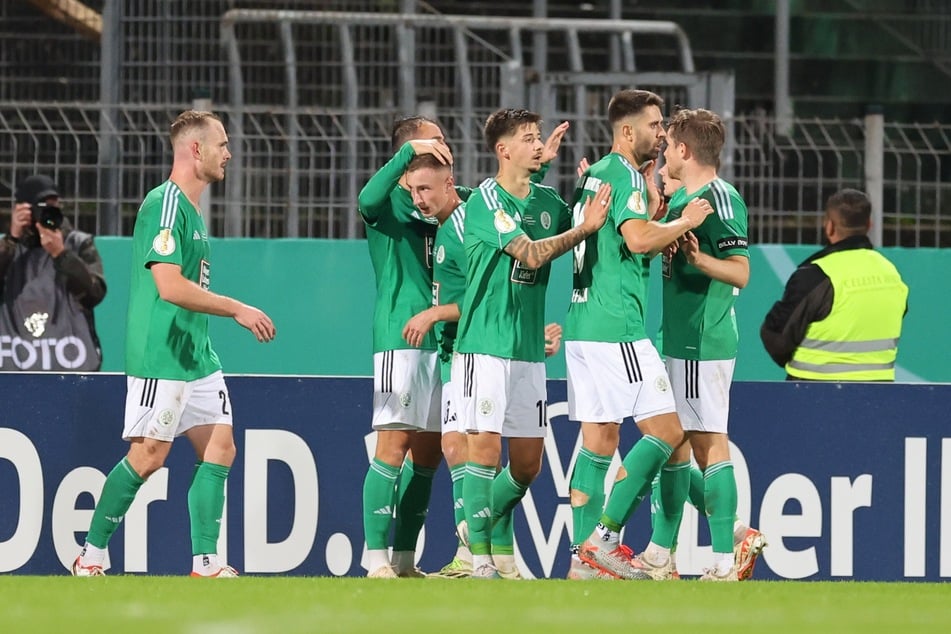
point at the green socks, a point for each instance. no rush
(642, 463)
(458, 474)
(477, 499)
(506, 494)
(720, 499)
(118, 492)
(696, 493)
(206, 501)
(412, 503)
(588, 479)
(669, 505)
(379, 493)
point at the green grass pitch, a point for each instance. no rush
(144, 604)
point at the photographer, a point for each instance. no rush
(50, 280)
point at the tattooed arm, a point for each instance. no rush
(537, 253)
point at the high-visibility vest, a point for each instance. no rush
(858, 341)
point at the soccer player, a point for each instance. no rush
(405, 377)
(514, 229)
(702, 277)
(614, 372)
(174, 384)
(748, 542)
(430, 184)
(406, 384)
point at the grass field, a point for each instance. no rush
(142, 604)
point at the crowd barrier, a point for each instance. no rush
(846, 481)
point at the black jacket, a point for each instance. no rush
(46, 301)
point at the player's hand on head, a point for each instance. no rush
(583, 166)
(257, 322)
(552, 339)
(553, 143)
(697, 211)
(432, 146)
(596, 209)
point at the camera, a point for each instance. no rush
(48, 216)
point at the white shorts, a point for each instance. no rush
(450, 405)
(501, 395)
(163, 409)
(607, 382)
(702, 390)
(406, 390)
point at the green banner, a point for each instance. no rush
(320, 295)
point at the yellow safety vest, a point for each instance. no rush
(858, 341)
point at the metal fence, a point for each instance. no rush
(785, 179)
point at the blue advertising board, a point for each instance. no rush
(846, 481)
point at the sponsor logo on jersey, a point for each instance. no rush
(546, 220)
(735, 242)
(36, 323)
(523, 274)
(204, 276)
(503, 222)
(197, 236)
(440, 254)
(164, 243)
(636, 203)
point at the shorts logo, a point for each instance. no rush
(164, 243)
(503, 222)
(440, 254)
(486, 407)
(546, 220)
(166, 417)
(661, 384)
(405, 399)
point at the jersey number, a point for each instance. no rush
(224, 402)
(542, 413)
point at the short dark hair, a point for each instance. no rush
(852, 209)
(701, 131)
(630, 102)
(423, 161)
(506, 122)
(404, 128)
(190, 120)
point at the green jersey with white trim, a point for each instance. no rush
(449, 281)
(503, 312)
(699, 320)
(165, 341)
(609, 300)
(401, 246)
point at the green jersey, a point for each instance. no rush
(699, 322)
(609, 300)
(449, 281)
(401, 247)
(165, 341)
(503, 312)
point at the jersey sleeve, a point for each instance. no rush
(374, 198)
(628, 198)
(160, 222)
(495, 227)
(729, 229)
